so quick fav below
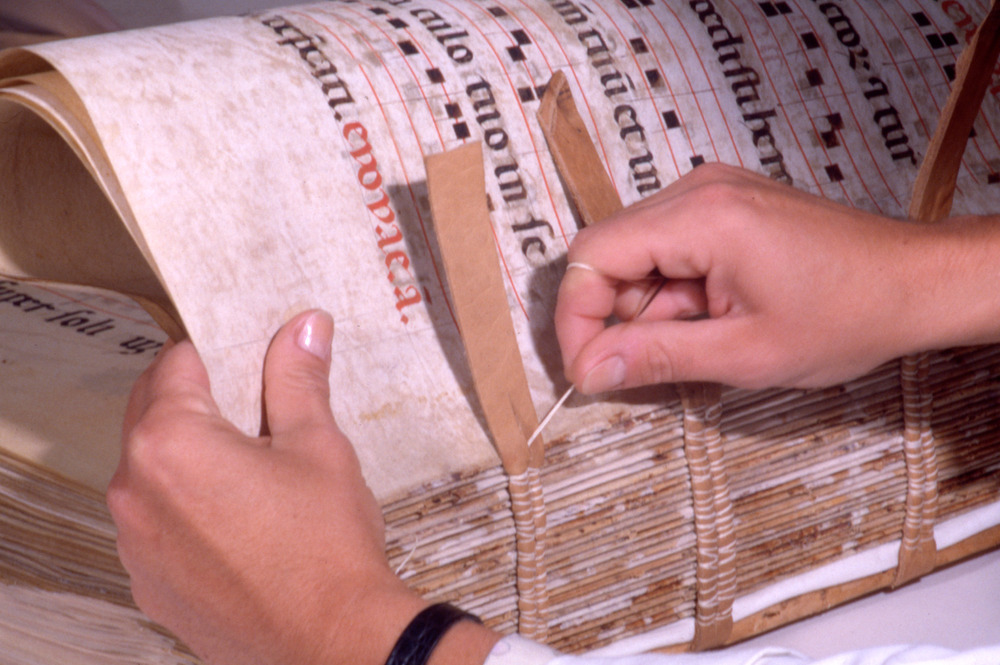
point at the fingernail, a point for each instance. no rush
(316, 334)
(606, 375)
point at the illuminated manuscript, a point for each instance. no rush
(211, 179)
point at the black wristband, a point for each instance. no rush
(418, 640)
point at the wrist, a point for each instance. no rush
(466, 643)
(951, 294)
(375, 623)
(370, 623)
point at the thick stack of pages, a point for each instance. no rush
(225, 174)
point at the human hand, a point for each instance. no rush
(767, 286)
(262, 549)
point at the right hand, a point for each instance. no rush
(767, 286)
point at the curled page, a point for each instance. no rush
(236, 171)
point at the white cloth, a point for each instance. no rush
(516, 650)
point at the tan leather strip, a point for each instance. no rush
(587, 183)
(935, 184)
(932, 196)
(595, 198)
(456, 186)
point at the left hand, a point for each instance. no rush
(262, 549)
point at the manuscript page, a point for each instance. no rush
(273, 162)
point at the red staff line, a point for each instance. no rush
(975, 140)
(906, 86)
(687, 79)
(503, 258)
(675, 103)
(395, 143)
(572, 72)
(406, 61)
(826, 103)
(784, 112)
(524, 117)
(649, 91)
(850, 108)
(550, 69)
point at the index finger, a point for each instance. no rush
(178, 375)
(586, 298)
(624, 250)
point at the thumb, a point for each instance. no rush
(639, 353)
(296, 377)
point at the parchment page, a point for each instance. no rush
(67, 361)
(273, 162)
(64, 217)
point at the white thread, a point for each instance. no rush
(548, 416)
(409, 556)
(565, 396)
(643, 304)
